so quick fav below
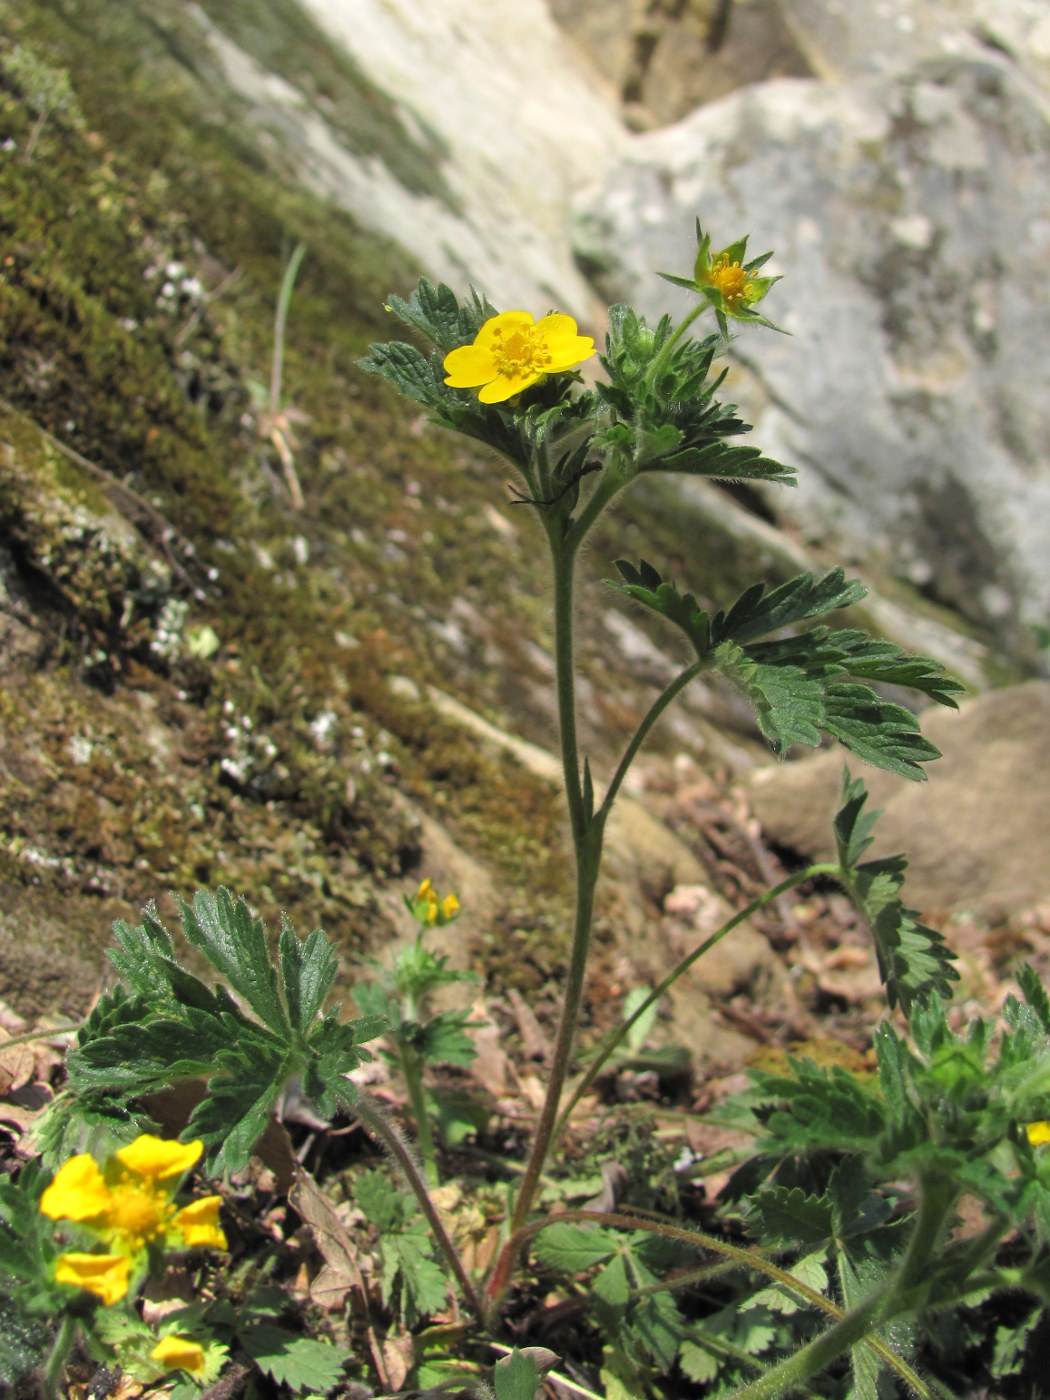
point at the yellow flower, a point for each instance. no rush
(104, 1275)
(199, 1223)
(179, 1354)
(1038, 1133)
(429, 910)
(511, 351)
(730, 284)
(130, 1205)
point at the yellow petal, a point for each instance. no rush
(469, 366)
(178, 1354)
(78, 1192)
(104, 1275)
(157, 1158)
(199, 1223)
(505, 386)
(1038, 1133)
(449, 906)
(498, 326)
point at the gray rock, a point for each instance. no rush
(908, 215)
(977, 836)
(496, 121)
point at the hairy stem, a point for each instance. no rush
(412, 1069)
(623, 1030)
(734, 1256)
(56, 1361)
(587, 844)
(373, 1119)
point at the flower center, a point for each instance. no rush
(731, 280)
(521, 353)
(138, 1213)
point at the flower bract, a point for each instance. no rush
(511, 352)
(104, 1275)
(179, 1354)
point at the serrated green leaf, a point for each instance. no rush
(515, 1377)
(697, 1363)
(780, 1299)
(789, 703)
(573, 1248)
(383, 1205)
(232, 1119)
(307, 970)
(758, 612)
(408, 1254)
(443, 1041)
(1035, 995)
(793, 1217)
(235, 944)
(437, 313)
(298, 1362)
(610, 1289)
(729, 463)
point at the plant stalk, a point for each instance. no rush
(412, 1069)
(623, 1030)
(370, 1114)
(56, 1361)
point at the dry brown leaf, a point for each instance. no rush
(17, 1064)
(330, 1287)
(399, 1355)
(489, 1067)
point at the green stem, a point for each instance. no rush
(734, 1256)
(655, 711)
(412, 1069)
(370, 1114)
(587, 845)
(280, 319)
(676, 335)
(27, 1036)
(56, 1362)
(936, 1195)
(617, 1037)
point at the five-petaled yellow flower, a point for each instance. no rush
(179, 1354)
(129, 1207)
(511, 351)
(1038, 1133)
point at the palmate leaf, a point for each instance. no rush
(914, 961)
(173, 1027)
(802, 685)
